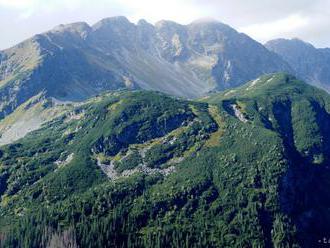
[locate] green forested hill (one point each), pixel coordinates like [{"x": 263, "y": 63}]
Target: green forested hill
[{"x": 244, "y": 168}]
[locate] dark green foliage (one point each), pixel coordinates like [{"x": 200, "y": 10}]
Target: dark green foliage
[
  {"x": 139, "y": 120},
  {"x": 129, "y": 162},
  {"x": 262, "y": 183},
  {"x": 159, "y": 154}
]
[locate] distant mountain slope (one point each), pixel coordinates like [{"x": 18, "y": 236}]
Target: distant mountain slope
[
  {"x": 308, "y": 62},
  {"x": 245, "y": 168},
  {"x": 30, "y": 116},
  {"x": 75, "y": 61}
]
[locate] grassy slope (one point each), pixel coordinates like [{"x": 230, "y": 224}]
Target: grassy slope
[{"x": 28, "y": 117}]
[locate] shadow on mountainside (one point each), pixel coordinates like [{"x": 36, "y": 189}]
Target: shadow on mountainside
[{"x": 305, "y": 188}]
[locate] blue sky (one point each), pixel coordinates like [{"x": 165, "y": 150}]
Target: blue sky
[{"x": 262, "y": 20}]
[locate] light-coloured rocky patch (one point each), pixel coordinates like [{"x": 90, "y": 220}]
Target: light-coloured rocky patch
[
  {"x": 238, "y": 113},
  {"x": 110, "y": 171},
  {"x": 64, "y": 162}
]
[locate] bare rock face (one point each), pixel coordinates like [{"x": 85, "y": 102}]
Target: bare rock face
[
  {"x": 308, "y": 62},
  {"x": 75, "y": 61}
]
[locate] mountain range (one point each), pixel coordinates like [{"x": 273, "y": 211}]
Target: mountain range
[
  {"x": 76, "y": 61},
  {"x": 309, "y": 63},
  {"x": 166, "y": 135},
  {"x": 245, "y": 168}
]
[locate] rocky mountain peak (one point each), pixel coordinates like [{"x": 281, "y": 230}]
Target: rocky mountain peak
[
  {"x": 80, "y": 28},
  {"x": 294, "y": 43},
  {"x": 308, "y": 62},
  {"x": 76, "y": 61},
  {"x": 111, "y": 22},
  {"x": 143, "y": 22},
  {"x": 169, "y": 28}
]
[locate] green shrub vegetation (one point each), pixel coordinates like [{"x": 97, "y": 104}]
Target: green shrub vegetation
[{"x": 260, "y": 183}]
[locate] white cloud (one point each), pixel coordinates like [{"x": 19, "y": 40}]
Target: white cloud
[
  {"x": 262, "y": 20},
  {"x": 19, "y": 4},
  {"x": 153, "y": 10},
  {"x": 27, "y": 8},
  {"x": 270, "y": 30},
  {"x": 178, "y": 10}
]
